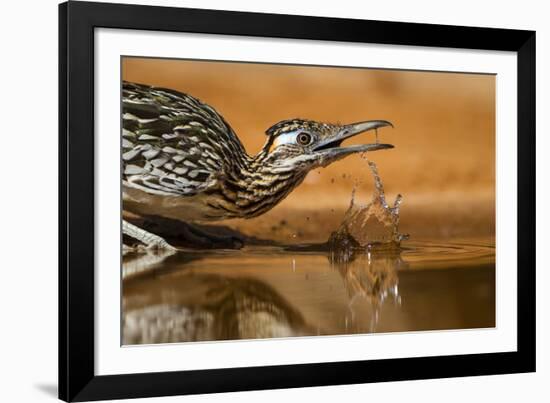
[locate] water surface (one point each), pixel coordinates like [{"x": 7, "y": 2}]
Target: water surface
[{"x": 264, "y": 292}]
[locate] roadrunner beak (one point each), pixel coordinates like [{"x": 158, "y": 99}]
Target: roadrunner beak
[{"x": 329, "y": 149}]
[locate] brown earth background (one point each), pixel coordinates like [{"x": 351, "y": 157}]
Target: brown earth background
[{"x": 443, "y": 162}]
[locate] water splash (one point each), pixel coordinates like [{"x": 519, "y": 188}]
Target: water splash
[{"x": 374, "y": 225}]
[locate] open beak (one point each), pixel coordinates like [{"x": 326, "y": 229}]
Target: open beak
[{"x": 329, "y": 150}]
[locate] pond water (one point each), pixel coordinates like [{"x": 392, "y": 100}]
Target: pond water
[{"x": 264, "y": 292}]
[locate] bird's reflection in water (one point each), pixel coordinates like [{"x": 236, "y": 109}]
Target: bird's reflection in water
[
  {"x": 198, "y": 303},
  {"x": 198, "y": 307},
  {"x": 135, "y": 261}
]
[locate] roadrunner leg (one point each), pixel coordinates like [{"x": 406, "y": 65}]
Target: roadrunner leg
[{"x": 150, "y": 240}]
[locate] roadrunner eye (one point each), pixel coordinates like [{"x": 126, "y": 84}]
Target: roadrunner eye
[{"x": 304, "y": 139}]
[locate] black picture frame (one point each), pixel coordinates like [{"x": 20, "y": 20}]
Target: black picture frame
[{"x": 77, "y": 379}]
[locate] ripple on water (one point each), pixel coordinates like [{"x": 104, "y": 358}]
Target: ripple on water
[{"x": 449, "y": 254}]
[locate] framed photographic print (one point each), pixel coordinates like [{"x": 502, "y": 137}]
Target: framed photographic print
[{"x": 254, "y": 201}]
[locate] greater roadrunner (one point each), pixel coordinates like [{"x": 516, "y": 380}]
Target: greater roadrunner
[{"x": 182, "y": 160}]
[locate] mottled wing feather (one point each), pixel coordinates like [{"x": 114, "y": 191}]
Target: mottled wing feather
[{"x": 172, "y": 143}]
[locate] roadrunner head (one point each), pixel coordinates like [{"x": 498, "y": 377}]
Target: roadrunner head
[{"x": 299, "y": 145}]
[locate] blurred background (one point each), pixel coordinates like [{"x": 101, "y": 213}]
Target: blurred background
[{"x": 444, "y": 136}]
